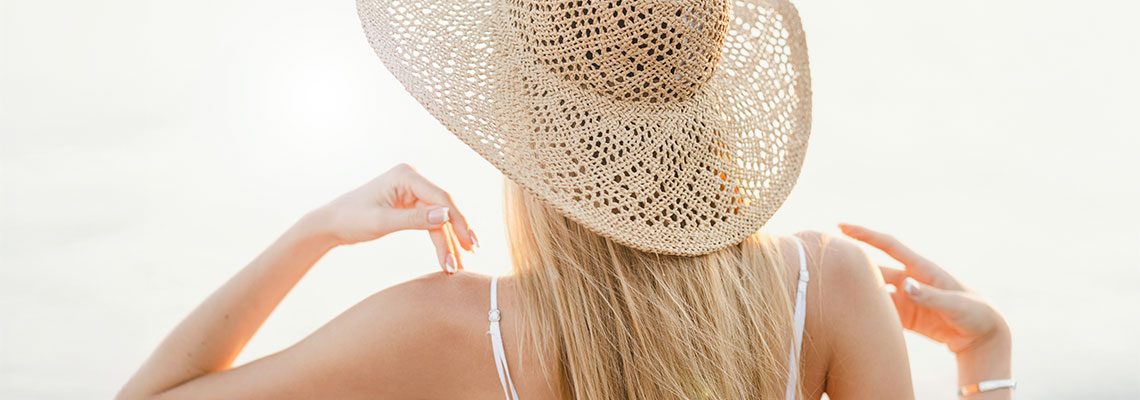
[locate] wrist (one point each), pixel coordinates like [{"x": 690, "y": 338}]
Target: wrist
[
  {"x": 989, "y": 359},
  {"x": 314, "y": 228}
]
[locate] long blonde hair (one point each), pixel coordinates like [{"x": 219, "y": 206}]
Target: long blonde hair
[{"x": 626, "y": 324}]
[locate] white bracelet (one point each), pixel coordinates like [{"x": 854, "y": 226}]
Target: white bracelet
[{"x": 986, "y": 386}]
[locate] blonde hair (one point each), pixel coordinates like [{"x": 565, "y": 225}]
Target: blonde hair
[{"x": 626, "y": 324}]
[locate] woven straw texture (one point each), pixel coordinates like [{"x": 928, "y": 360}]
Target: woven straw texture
[{"x": 674, "y": 126}]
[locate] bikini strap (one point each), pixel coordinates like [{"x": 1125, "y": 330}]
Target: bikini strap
[
  {"x": 497, "y": 343},
  {"x": 800, "y": 317}
]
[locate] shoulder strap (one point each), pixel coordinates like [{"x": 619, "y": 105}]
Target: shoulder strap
[
  {"x": 800, "y": 316},
  {"x": 497, "y": 343}
]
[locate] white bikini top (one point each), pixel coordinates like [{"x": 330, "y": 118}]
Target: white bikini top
[{"x": 793, "y": 354}]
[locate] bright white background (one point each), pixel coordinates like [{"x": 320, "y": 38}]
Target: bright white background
[{"x": 149, "y": 149}]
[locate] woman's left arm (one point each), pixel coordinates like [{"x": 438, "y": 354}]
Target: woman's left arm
[{"x": 212, "y": 336}]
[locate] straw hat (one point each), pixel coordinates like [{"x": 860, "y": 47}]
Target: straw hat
[{"x": 670, "y": 126}]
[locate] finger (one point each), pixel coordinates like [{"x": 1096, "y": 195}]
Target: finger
[
  {"x": 450, "y": 234},
  {"x": 892, "y": 276},
  {"x": 397, "y": 219},
  {"x": 427, "y": 191},
  {"x": 887, "y": 243},
  {"x": 906, "y": 309},
  {"x": 948, "y": 301},
  {"x": 443, "y": 251},
  {"x": 916, "y": 265},
  {"x": 462, "y": 232}
]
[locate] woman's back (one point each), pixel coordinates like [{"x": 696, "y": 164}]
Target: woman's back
[{"x": 440, "y": 322}]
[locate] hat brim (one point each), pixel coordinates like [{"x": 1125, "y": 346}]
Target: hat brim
[{"x": 684, "y": 178}]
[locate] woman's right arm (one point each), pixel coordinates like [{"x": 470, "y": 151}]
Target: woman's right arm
[
  {"x": 852, "y": 324},
  {"x": 933, "y": 303}
]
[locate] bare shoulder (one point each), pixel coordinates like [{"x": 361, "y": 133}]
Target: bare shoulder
[
  {"x": 852, "y": 329},
  {"x": 431, "y": 305},
  {"x": 437, "y": 310},
  {"x": 408, "y": 336},
  {"x": 432, "y": 296},
  {"x": 842, "y": 280},
  {"x": 841, "y": 275},
  {"x": 839, "y": 262}
]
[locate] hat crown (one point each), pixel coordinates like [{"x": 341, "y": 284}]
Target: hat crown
[{"x": 634, "y": 51}]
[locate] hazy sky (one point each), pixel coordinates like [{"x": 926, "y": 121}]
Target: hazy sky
[{"x": 150, "y": 149}]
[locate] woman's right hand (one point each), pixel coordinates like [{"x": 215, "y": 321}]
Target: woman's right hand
[
  {"x": 930, "y": 301},
  {"x": 933, "y": 303}
]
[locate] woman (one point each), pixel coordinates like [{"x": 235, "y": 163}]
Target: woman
[{"x": 645, "y": 143}]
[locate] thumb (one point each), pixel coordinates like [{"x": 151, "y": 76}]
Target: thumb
[
  {"x": 424, "y": 218},
  {"x": 949, "y": 301}
]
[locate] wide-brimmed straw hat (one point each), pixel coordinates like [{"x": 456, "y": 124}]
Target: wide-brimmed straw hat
[{"x": 670, "y": 126}]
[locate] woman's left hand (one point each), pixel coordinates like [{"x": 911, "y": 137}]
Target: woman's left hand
[{"x": 399, "y": 199}]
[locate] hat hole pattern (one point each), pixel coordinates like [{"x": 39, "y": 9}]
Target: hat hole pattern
[{"x": 636, "y": 51}]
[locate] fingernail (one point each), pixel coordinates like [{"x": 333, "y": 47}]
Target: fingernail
[
  {"x": 911, "y": 287},
  {"x": 437, "y": 216},
  {"x": 474, "y": 239},
  {"x": 449, "y": 263}
]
